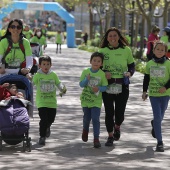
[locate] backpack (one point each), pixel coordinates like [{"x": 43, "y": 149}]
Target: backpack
[{"x": 23, "y": 64}]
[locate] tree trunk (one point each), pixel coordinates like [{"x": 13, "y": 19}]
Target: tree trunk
[
  {"x": 136, "y": 28},
  {"x": 142, "y": 38},
  {"x": 91, "y": 23}
]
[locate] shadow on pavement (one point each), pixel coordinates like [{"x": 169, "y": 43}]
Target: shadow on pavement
[{"x": 64, "y": 149}]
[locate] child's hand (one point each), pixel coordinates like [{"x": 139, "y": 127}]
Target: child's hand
[
  {"x": 108, "y": 75},
  {"x": 144, "y": 96},
  {"x": 64, "y": 90},
  {"x": 20, "y": 95},
  {"x": 88, "y": 77},
  {"x": 29, "y": 76},
  {"x": 8, "y": 98},
  {"x": 162, "y": 90},
  {"x": 95, "y": 89},
  {"x": 5, "y": 85},
  {"x": 127, "y": 74}
]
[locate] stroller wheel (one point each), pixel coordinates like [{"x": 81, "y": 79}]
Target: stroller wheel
[
  {"x": 24, "y": 146},
  {"x": 30, "y": 146},
  {"x": 0, "y": 143}
]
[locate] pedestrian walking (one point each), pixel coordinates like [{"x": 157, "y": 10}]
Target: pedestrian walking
[
  {"x": 46, "y": 82},
  {"x": 28, "y": 32},
  {"x": 118, "y": 66},
  {"x": 166, "y": 39},
  {"x": 85, "y": 38},
  {"x": 153, "y": 37},
  {"x": 40, "y": 39},
  {"x": 59, "y": 41},
  {"x": 157, "y": 79},
  {"x": 93, "y": 82}
]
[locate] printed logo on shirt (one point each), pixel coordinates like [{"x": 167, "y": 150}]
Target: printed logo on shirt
[
  {"x": 157, "y": 71},
  {"x": 94, "y": 81},
  {"x": 14, "y": 63},
  {"x": 47, "y": 86}
]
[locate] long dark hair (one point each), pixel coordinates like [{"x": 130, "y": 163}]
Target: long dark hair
[
  {"x": 122, "y": 41},
  {"x": 7, "y": 33},
  {"x": 44, "y": 58}
]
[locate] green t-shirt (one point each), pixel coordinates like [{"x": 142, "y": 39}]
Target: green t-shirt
[
  {"x": 164, "y": 38},
  {"x": 58, "y": 39},
  {"x": 28, "y": 34},
  {"x": 159, "y": 76},
  {"x": 46, "y": 89},
  {"x": 88, "y": 97},
  {"x": 44, "y": 31},
  {"x": 116, "y": 61},
  {"x": 128, "y": 38},
  {"x": 41, "y": 41},
  {"x": 15, "y": 57}
]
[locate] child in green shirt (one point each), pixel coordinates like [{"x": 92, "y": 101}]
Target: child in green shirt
[
  {"x": 93, "y": 82},
  {"x": 59, "y": 41},
  {"x": 157, "y": 79},
  {"x": 46, "y": 82},
  {"x": 28, "y": 32},
  {"x": 40, "y": 39}
]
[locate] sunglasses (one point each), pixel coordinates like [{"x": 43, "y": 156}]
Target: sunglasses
[{"x": 18, "y": 27}]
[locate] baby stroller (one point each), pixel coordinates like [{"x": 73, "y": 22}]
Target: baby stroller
[{"x": 15, "y": 113}]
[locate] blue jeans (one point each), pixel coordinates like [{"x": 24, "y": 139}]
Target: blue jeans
[
  {"x": 94, "y": 115},
  {"x": 159, "y": 106}
]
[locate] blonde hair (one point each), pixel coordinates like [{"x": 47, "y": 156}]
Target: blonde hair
[
  {"x": 155, "y": 29},
  {"x": 161, "y": 43}
]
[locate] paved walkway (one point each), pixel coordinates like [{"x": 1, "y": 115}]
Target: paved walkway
[{"x": 64, "y": 150}]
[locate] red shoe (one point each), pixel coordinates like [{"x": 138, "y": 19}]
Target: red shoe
[
  {"x": 85, "y": 135},
  {"x": 97, "y": 143}
]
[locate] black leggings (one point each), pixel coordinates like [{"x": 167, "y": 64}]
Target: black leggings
[
  {"x": 58, "y": 46},
  {"x": 115, "y": 105},
  {"x": 47, "y": 117}
]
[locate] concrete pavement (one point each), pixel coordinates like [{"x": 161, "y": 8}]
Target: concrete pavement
[{"x": 64, "y": 149}]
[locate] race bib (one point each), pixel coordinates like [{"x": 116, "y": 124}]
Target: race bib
[
  {"x": 114, "y": 89},
  {"x": 157, "y": 71},
  {"x": 14, "y": 64},
  {"x": 47, "y": 86}
]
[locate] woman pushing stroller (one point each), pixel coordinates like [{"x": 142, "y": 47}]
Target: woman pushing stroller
[{"x": 15, "y": 50}]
